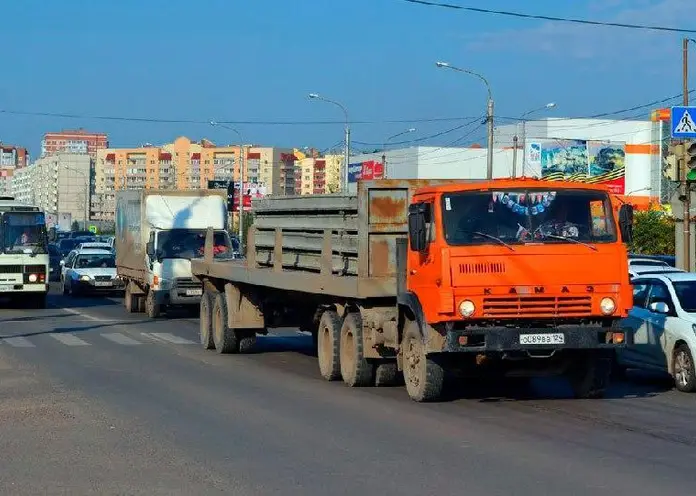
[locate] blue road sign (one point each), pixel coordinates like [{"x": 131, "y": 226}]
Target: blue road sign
[{"x": 683, "y": 122}]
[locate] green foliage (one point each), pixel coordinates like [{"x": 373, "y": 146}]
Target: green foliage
[
  {"x": 653, "y": 233},
  {"x": 75, "y": 226}
]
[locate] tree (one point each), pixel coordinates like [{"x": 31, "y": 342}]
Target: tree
[
  {"x": 653, "y": 233},
  {"x": 75, "y": 226}
]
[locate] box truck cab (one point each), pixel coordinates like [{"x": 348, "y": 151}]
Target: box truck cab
[{"x": 157, "y": 235}]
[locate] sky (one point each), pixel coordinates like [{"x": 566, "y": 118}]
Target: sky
[{"x": 254, "y": 61}]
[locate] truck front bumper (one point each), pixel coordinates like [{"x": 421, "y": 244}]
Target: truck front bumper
[
  {"x": 188, "y": 292},
  {"x": 544, "y": 339}
]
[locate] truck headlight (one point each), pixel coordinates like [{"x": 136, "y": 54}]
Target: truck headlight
[
  {"x": 607, "y": 306},
  {"x": 84, "y": 278},
  {"x": 467, "y": 308}
]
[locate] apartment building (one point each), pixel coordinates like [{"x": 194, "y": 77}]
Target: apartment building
[
  {"x": 74, "y": 141},
  {"x": 6, "y": 176},
  {"x": 318, "y": 175},
  {"x": 13, "y": 156},
  {"x": 61, "y": 184},
  {"x": 185, "y": 164}
]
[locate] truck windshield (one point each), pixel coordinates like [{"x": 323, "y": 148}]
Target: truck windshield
[
  {"x": 528, "y": 216},
  {"x": 190, "y": 243},
  {"x": 24, "y": 232}
]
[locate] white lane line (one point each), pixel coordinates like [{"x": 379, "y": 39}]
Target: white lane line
[
  {"x": 69, "y": 339},
  {"x": 167, "y": 337},
  {"x": 84, "y": 315},
  {"x": 119, "y": 338},
  {"x": 19, "y": 342}
]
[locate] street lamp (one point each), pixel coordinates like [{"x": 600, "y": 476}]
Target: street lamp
[
  {"x": 489, "y": 112},
  {"x": 241, "y": 176},
  {"x": 548, "y": 106},
  {"x": 346, "y": 153},
  {"x": 384, "y": 149}
]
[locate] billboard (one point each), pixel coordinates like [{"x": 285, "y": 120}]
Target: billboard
[
  {"x": 251, "y": 191},
  {"x": 595, "y": 162},
  {"x": 368, "y": 170}
]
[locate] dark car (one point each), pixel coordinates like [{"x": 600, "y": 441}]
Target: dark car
[{"x": 54, "y": 258}]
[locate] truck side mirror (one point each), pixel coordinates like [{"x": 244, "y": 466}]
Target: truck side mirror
[
  {"x": 416, "y": 227},
  {"x": 150, "y": 248},
  {"x": 626, "y": 223}
]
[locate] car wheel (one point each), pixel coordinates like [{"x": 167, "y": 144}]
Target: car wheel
[{"x": 684, "y": 374}]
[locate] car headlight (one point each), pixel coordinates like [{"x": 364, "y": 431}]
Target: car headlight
[
  {"x": 607, "y": 306},
  {"x": 467, "y": 308},
  {"x": 84, "y": 278}
]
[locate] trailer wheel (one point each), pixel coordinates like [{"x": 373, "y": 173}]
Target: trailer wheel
[
  {"x": 129, "y": 300},
  {"x": 152, "y": 308},
  {"x": 387, "y": 375},
  {"x": 206, "y": 320},
  {"x": 328, "y": 339},
  {"x": 225, "y": 339},
  {"x": 423, "y": 376},
  {"x": 355, "y": 369},
  {"x": 247, "y": 340}
]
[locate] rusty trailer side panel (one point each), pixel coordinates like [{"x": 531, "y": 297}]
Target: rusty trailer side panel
[{"x": 336, "y": 244}]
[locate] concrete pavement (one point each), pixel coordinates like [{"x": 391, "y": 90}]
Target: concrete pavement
[{"x": 97, "y": 401}]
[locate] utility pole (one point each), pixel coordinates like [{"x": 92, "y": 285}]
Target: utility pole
[
  {"x": 346, "y": 158},
  {"x": 489, "y": 115},
  {"x": 514, "y": 156},
  {"x": 683, "y": 172},
  {"x": 241, "y": 193}
]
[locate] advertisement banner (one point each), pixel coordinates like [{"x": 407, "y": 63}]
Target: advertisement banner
[
  {"x": 368, "y": 170},
  {"x": 594, "y": 162}
]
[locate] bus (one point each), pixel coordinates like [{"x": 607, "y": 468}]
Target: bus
[{"x": 24, "y": 259}]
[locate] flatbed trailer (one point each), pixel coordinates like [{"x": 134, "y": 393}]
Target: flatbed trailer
[{"x": 338, "y": 266}]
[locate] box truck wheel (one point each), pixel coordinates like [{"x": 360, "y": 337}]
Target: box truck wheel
[
  {"x": 328, "y": 339},
  {"x": 225, "y": 339},
  {"x": 424, "y": 377},
  {"x": 355, "y": 369},
  {"x": 206, "y": 320}
]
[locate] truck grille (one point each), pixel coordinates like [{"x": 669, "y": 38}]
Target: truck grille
[
  {"x": 547, "y": 306},
  {"x": 187, "y": 282}
]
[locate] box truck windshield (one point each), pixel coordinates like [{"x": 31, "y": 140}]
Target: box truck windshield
[{"x": 190, "y": 243}]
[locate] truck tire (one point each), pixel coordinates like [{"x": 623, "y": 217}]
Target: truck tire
[
  {"x": 225, "y": 339},
  {"x": 247, "y": 340},
  {"x": 152, "y": 308},
  {"x": 356, "y": 371},
  {"x": 328, "y": 340},
  {"x": 590, "y": 376},
  {"x": 206, "y": 320},
  {"x": 141, "y": 304},
  {"x": 129, "y": 302},
  {"x": 424, "y": 377},
  {"x": 387, "y": 375}
]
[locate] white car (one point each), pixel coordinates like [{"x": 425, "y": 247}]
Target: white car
[
  {"x": 89, "y": 271},
  {"x": 94, "y": 245},
  {"x": 663, "y": 324},
  {"x": 639, "y": 270}
]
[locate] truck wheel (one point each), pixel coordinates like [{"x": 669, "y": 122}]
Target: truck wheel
[
  {"x": 355, "y": 369},
  {"x": 225, "y": 339},
  {"x": 387, "y": 375},
  {"x": 328, "y": 339},
  {"x": 128, "y": 300},
  {"x": 424, "y": 378},
  {"x": 247, "y": 340},
  {"x": 141, "y": 304},
  {"x": 152, "y": 308},
  {"x": 684, "y": 373},
  {"x": 590, "y": 376},
  {"x": 206, "y": 320}
]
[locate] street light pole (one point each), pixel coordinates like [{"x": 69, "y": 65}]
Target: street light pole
[
  {"x": 346, "y": 150},
  {"x": 241, "y": 178},
  {"x": 384, "y": 149},
  {"x": 524, "y": 138},
  {"x": 489, "y": 113}
]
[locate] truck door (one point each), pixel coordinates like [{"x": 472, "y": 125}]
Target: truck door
[{"x": 424, "y": 267}]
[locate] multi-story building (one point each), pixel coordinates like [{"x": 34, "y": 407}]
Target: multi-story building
[
  {"x": 13, "y": 156},
  {"x": 184, "y": 164},
  {"x": 60, "y": 184},
  {"x": 74, "y": 141},
  {"x": 318, "y": 175},
  {"x": 6, "y": 176}
]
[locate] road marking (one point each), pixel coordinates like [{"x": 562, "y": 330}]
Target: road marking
[
  {"x": 84, "y": 315},
  {"x": 166, "y": 337},
  {"x": 69, "y": 339},
  {"x": 19, "y": 342},
  {"x": 119, "y": 338}
]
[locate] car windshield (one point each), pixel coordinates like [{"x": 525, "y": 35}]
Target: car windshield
[
  {"x": 686, "y": 294},
  {"x": 24, "y": 232},
  {"x": 528, "y": 216},
  {"x": 186, "y": 243},
  {"x": 95, "y": 261}
]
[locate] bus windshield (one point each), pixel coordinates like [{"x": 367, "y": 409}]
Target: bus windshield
[{"x": 24, "y": 232}]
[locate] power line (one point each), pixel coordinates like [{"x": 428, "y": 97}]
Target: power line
[
  {"x": 423, "y": 138},
  {"x": 551, "y": 18}
]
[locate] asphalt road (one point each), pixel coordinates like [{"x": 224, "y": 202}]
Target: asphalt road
[{"x": 97, "y": 401}]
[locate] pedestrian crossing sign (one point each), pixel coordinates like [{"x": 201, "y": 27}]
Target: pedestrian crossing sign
[{"x": 683, "y": 122}]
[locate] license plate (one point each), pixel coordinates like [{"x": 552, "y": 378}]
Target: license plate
[
  {"x": 194, "y": 292},
  {"x": 103, "y": 283},
  {"x": 6, "y": 287},
  {"x": 531, "y": 339}
]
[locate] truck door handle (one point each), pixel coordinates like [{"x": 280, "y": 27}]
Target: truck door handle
[{"x": 413, "y": 271}]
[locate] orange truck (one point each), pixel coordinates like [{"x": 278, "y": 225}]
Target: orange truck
[{"x": 407, "y": 280}]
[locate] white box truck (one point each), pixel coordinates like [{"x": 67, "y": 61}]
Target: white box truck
[{"x": 158, "y": 232}]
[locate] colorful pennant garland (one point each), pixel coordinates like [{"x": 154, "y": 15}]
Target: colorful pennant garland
[{"x": 525, "y": 203}]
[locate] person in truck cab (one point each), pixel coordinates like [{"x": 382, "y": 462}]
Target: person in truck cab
[{"x": 219, "y": 245}]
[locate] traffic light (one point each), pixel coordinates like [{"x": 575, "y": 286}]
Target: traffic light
[
  {"x": 232, "y": 203},
  {"x": 690, "y": 160}
]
